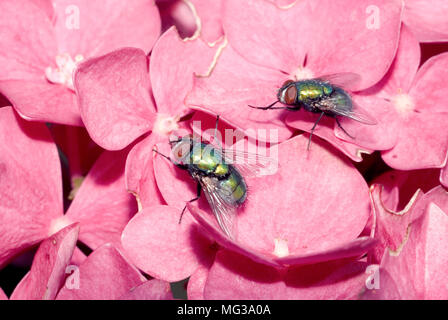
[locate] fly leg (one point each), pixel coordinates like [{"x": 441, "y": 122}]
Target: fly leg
[
  {"x": 339, "y": 125},
  {"x": 312, "y": 130},
  {"x": 198, "y": 190},
  {"x": 216, "y": 133}
]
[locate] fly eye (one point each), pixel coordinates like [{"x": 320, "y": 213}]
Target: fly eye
[
  {"x": 287, "y": 83},
  {"x": 290, "y": 95}
]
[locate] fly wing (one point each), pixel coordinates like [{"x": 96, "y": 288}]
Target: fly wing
[
  {"x": 223, "y": 210},
  {"x": 249, "y": 164},
  {"x": 341, "y": 104},
  {"x": 344, "y": 80}
]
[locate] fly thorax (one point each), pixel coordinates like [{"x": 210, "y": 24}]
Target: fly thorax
[
  {"x": 64, "y": 70},
  {"x": 404, "y": 104}
]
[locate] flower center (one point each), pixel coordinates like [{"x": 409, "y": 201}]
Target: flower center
[
  {"x": 403, "y": 103},
  {"x": 281, "y": 247},
  {"x": 302, "y": 73},
  {"x": 65, "y": 66},
  {"x": 165, "y": 124},
  {"x": 58, "y": 224}
]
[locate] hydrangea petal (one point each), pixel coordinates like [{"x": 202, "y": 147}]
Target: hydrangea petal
[
  {"x": 159, "y": 245},
  {"x": 422, "y": 143},
  {"x": 196, "y": 283},
  {"x": 139, "y": 172},
  {"x": 49, "y": 266},
  {"x": 419, "y": 269},
  {"x": 171, "y": 88},
  {"x": 26, "y": 51},
  {"x": 94, "y": 28},
  {"x": 31, "y": 186},
  {"x": 427, "y": 19},
  {"x": 105, "y": 275},
  {"x": 102, "y": 205},
  {"x": 232, "y": 86},
  {"x": 150, "y": 290},
  {"x": 210, "y": 13},
  {"x": 3, "y": 296},
  {"x": 115, "y": 109},
  {"x": 40, "y": 100},
  {"x": 261, "y": 32},
  {"x": 401, "y": 75},
  {"x": 236, "y": 277},
  {"x": 176, "y": 185}
]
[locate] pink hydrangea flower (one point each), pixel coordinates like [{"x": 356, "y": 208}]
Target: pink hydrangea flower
[
  {"x": 105, "y": 274},
  {"x": 417, "y": 98},
  {"x": 43, "y": 41},
  {"x": 31, "y": 209},
  {"x": 260, "y": 56},
  {"x": 413, "y": 264},
  {"x": 115, "y": 91},
  {"x": 281, "y": 237}
]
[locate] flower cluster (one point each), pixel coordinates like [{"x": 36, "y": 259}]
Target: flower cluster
[{"x": 95, "y": 96}]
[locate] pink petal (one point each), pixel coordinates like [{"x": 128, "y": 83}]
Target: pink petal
[
  {"x": 268, "y": 44},
  {"x": 236, "y": 277},
  {"x": 159, "y": 245},
  {"x": 423, "y": 132},
  {"x": 40, "y": 100},
  {"x": 102, "y": 205},
  {"x": 232, "y": 86},
  {"x": 104, "y": 27},
  {"x": 116, "y": 109},
  {"x": 3, "y": 295},
  {"x": 403, "y": 70},
  {"x": 105, "y": 275},
  {"x": 171, "y": 88},
  {"x": 139, "y": 173},
  {"x": 419, "y": 269},
  {"x": 26, "y": 51},
  {"x": 427, "y": 19},
  {"x": 30, "y": 186},
  {"x": 391, "y": 226},
  {"x": 444, "y": 176},
  {"x": 210, "y": 13},
  {"x": 387, "y": 288},
  {"x": 196, "y": 283},
  {"x": 422, "y": 143},
  {"x": 150, "y": 290},
  {"x": 49, "y": 267},
  {"x": 302, "y": 230}
]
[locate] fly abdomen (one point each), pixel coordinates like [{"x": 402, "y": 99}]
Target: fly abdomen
[{"x": 234, "y": 187}]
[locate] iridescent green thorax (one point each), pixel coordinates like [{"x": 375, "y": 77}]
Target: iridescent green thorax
[
  {"x": 312, "y": 89},
  {"x": 208, "y": 160}
]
